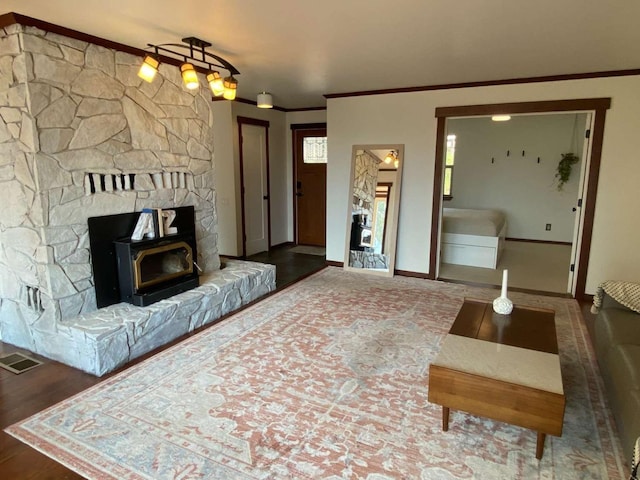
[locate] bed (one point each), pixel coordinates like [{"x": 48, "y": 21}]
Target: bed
[{"x": 473, "y": 237}]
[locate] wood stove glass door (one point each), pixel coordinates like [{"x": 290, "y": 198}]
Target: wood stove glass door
[{"x": 159, "y": 264}]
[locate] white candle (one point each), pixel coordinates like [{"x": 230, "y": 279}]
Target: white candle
[{"x": 505, "y": 275}]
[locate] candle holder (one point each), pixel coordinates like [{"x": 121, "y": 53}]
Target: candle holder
[{"x": 502, "y": 304}]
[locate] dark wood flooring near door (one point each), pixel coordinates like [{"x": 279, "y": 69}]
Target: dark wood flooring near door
[
  {"x": 290, "y": 266},
  {"x": 34, "y": 390}
]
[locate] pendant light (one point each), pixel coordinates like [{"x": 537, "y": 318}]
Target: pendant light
[
  {"x": 216, "y": 83},
  {"x": 148, "y": 69},
  {"x": 230, "y": 88},
  {"x": 189, "y": 76},
  {"x": 265, "y": 100}
]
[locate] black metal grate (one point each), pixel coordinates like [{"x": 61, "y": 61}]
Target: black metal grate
[{"x": 18, "y": 363}]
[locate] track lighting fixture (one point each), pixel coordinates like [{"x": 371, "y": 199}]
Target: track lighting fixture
[
  {"x": 392, "y": 157},
  {"x": 196, "y": 58}
]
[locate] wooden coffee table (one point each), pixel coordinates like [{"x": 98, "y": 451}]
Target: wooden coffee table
[{"x": 504, "y": 367}]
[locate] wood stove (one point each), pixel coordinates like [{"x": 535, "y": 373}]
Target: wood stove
[
  {"x": 150, "y": 270},
  {"x": 145, "y": 271}
]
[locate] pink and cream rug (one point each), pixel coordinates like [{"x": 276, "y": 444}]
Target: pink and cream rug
[{"x": 324, "y": 380}]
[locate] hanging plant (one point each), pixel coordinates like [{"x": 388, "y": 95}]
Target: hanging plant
[{"x": 563, "y": 172}]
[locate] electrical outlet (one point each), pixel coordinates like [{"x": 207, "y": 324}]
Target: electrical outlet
[{"x": 548, "y": 227}]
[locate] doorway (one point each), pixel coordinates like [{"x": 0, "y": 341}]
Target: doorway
[
  {"x": 254, "y": 188},
  {"x": 310, "y": 183},
  {"x": 509, "y": 168},
  {"x": 585, "y": 206}
]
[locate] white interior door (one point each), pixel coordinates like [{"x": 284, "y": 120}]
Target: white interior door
[
  {"x": 578, "y": 208},
  {"x": 255, "y": 193}
]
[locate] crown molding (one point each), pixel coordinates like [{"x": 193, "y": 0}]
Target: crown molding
[{"x": 489, "y": 83}]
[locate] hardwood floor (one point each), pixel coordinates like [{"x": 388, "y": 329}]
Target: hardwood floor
[
  {"x": 290, "y": 266},
  {"x": 25, "y": 394},
  {"x": 34, "y": 390}
]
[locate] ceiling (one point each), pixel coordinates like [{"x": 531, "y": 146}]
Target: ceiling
[{"x": 299, "y": 50}]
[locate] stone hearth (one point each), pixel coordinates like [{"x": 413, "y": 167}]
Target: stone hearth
[
  {"x": 82, "y": 136},
  {"x": 100, "y": 341}
]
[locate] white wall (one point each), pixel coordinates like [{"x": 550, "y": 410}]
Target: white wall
[
  {"x": 277, "y": 164},
  {"x": 366, "y": 119},
  {"x": 225, "y": 179},
  {"x": 227, "y": 170},
  {"x": 518, "y": 185}
]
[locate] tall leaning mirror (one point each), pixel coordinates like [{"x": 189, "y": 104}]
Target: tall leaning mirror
[{"x": 374, "y": 201}]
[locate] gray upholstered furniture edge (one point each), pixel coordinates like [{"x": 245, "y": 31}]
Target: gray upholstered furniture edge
[{"x": 616, "y": 339}]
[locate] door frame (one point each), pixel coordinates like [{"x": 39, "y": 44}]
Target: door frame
[
  {"x": 258, "y": 123},
  {"x": 296, "y": 128},
  {"x": 597, "y": 106},
  {"x": 389, "y": 186},
  {"x": 582, "y": 191}
]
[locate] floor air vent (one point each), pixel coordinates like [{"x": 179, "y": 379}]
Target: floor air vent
[{"x": 18, "y": 363}]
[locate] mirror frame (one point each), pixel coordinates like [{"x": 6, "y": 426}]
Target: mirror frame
[{"x": 392, "y": 227}]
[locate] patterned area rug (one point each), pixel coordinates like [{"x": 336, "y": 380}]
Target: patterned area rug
[{"x": 326, "y": 379}]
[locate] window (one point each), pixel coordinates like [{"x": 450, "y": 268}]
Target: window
[
  {"x": 449, "y": 161},
  {"x": 314, "y": 149}
]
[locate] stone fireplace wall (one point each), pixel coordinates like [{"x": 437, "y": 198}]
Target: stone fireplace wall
[
  {"x": 81, "y": 136},
  {"x": 365, "y": 179}
]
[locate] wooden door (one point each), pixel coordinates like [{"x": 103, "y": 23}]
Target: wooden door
[
  {"x": 254, "y": 168},
  {"x": 310, "y": 184}
]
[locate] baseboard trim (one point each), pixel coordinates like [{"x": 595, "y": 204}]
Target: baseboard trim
[
  {"x": 333, "y": 263},
  {"x": 409, "y": 273},
  {"x": 550, "y": 242}
]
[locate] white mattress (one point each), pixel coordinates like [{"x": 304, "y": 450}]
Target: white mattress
[{"x": 472, "y": 222}]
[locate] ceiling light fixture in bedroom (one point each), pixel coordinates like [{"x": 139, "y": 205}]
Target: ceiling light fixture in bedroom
[
  {"x": 501, "y": 118},
  {"x": 196, "y": 58}
]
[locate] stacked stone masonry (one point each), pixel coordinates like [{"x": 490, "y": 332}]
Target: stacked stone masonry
[
  {"x": 103, "y": 340},
  {"x": 364, "y": 182},
  {"x": 370, "y": 260},
  {"x": 73, "y": 114}
]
